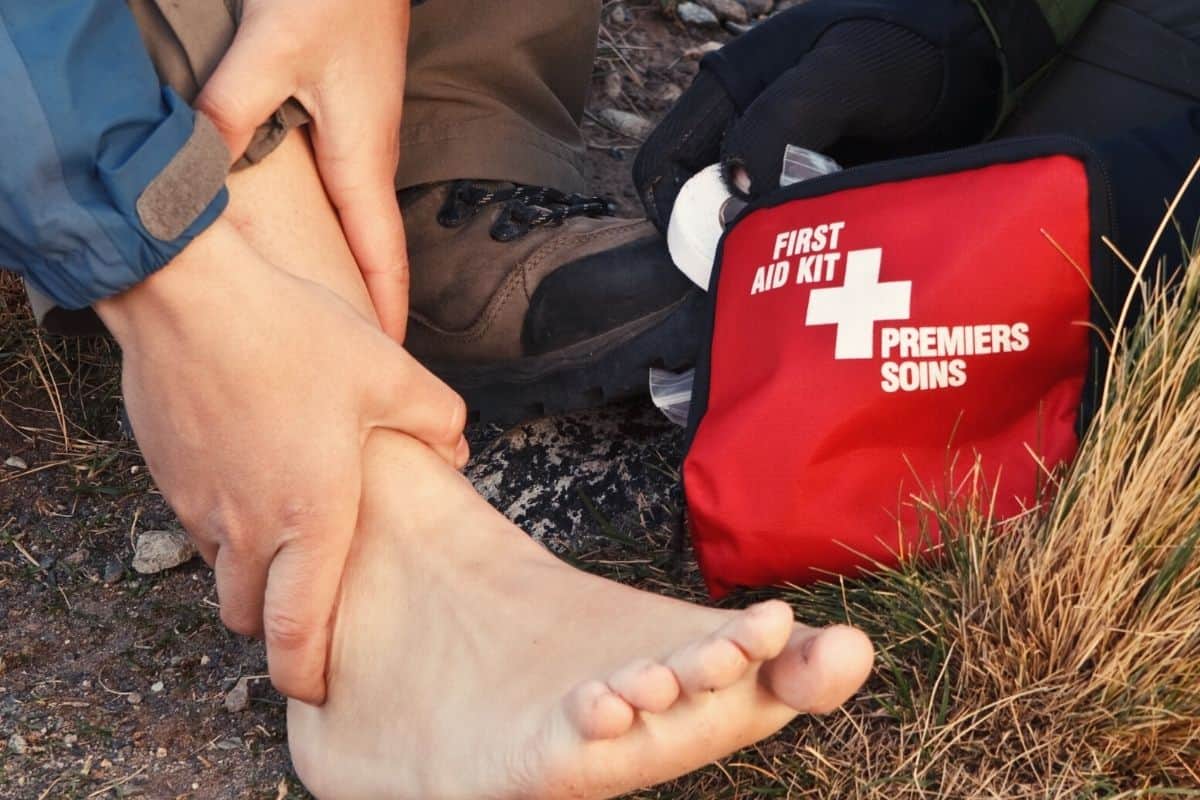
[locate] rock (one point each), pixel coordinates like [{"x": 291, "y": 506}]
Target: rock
[
  {"x": 157, "y": 687},
  {"x": 698, "y": 15},
  {"x": 670, "y": 93},
  {"x": 75, "y": 559},
  {"x": 114, "y": 570},
  {"x": 700, "y": 51},
  {"x": 238, "y": 699},
  {"x": 632, "y": 125},
  {"x": 727, "y": 10},
  {"x": 614, "y": 85},
  {"x": 558, "y": 477},
  {"x": 158, "y": 551},
  {"x": 17, "y": 744},
  {"x": 133, "y": 698},
  {"x": 205, "y": 661},
  {"x": 618, "y": 14},
  {"x": 758, "y": 8},
  {"x": 16, "y": 462},
  {"x": 160, "y": 752}
]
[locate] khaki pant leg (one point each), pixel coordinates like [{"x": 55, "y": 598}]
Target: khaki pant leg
[{"x": 496, "y": 91}]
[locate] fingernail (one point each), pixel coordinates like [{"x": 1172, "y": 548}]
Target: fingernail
[
  {"x": 463, "y": 454},
  {"x": 741, "y": 179}
]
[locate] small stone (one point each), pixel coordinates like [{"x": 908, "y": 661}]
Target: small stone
[
  {"x": 158, "y": 551},
  {"x": 114, "y": 570},
  {"x": 698, "y": 15},
  {"x": 133, "y": 698},
  {"x": 614, "y": 85},
  {"x": 619, "y": 14},
  {"x": 700, "y": 51},
  {"x": 727, "y": 10},
  {"x": 70, "y": 739},
  {"x": 238, "y": 699},
  {"x": 17, "y": 744},
  {"x": 232, "y": 743},
  {"x": 16, "y": 462},
  {"x": 160, "y": 752},
  {"x": 633, "y": 125},
  {"x": 156, "y": 687},
  {"x": 205, "y": 661},
  {"x": 76, "y": 558},
  {"x": 670, "y": 93}
]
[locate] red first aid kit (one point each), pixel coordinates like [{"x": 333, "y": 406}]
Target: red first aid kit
[{"x": 877, "y": 334}]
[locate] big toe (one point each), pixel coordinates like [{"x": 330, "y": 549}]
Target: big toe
[{"x": 819, "y": 670}]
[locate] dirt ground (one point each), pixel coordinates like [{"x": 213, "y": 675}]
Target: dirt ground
[{"x": 114, "y": 684}]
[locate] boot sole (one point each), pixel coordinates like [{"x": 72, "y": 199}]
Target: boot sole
[{"x": 588, "y": 374}]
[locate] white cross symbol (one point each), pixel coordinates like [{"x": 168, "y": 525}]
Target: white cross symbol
[{"x": 859, "y": 304}]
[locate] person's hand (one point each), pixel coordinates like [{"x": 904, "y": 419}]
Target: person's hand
[
  {"x": 345, "y": 63},
  {"x": 252, "y": 394},
  {"x": 857, "y": 79}
]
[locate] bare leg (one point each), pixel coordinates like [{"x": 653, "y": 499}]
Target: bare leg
[{"x": 469, "y": 663}]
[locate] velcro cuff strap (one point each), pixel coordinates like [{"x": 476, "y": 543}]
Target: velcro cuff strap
[
  {"x": 172, "y": 179},
  {"x": 876, "y": 335},
  {"x": 188, "y": 184}
]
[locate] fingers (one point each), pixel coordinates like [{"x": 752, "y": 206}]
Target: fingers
[
  {"x": 793, "y": 110},
  {"x": 357, "y": 150},
  {"x": 685, "y": 142},
  {"x": 409, "y": 398},
  {"x": 250, "y": 83},
  {"x": 301, "y": 592}
]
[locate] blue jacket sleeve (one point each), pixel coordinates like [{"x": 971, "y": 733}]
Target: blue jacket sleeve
[{"x": 101, "y": 180}]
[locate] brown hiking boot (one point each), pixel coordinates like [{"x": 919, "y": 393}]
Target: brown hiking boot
[{"x": 529, "y": 301}]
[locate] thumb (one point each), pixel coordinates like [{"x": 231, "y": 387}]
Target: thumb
[
  {"x": 301, "y": 594},
  {"x": 357, "y": 150},
  {"x": 686, "y": 141},
  {"x": 409, "y": 398},
  {"x": 251, "y": 82}
]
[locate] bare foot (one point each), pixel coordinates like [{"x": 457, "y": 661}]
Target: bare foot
[{"x": 469, "y": 663}]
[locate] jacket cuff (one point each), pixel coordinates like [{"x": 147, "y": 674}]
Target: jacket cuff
[{"x": 164, "y": 194}]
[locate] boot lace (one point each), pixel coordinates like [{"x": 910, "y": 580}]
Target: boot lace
[{"x": 524, "y": 207}]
